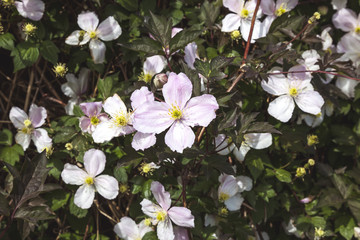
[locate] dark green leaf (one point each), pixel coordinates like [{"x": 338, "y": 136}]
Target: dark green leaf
[
  {"x": 120, "y": 174},
  {"x": 283, "y": 175},
  {"x": 146, "y": 45},
  {"x": 7, "y": 41},
  {"x": 150, "y": 236},
  {"x": 181, "y": 39},
  {"x": 146, "y": 188},
  {"x": 209, "y": 13},
  {"x": 25, "y": 54},
  {"x": 49, "y": 51},
  {"x": 4, "y": 206},
  {"x": 34, "y": 213},
  {"x": 220, "y": 62},
  {"x": 224, "y": 99},
  {"x": 229, "y": 119},
  {"x": 11, "y": 154},
  {"x": 262, "y": 127},
  {"x": 160, "y": 28},
  {"x": 129, "y": 5},
  {"x": 65, "y": 135},
  {"x": 221, "y": 164},
  {"x": 107, "y": 86},
  {"x": 6, "y": 137},
  {"x": 342, "y": 185}
]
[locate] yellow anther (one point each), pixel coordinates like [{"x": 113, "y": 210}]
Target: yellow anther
[
  {"x": 175, "y": 113},
  {"x": 147, "y": 221},
  {"x": 223, "y": 197},
  {"x": 223, "y": 212},
  {"x": 281, "y": 10},
  {"x": 311, "y": 162},
  {"x": 26, "y": 130},
  {"x": 69, "y": 146},
  {"x": 319, "y": 232},
  {"x": 235, "y": 35},
  {"x": 121, "y": 120},
  {"x": 60, "y": 69},
  {"x": 89, "y": 181},
  {"x": 161, "y": 215},
  {"x": 293, "y": 92},
  {"x": 145, "y": 77},
  {"x": 92, "y": 34},
  {"x": 29, "y": 29},
  {"x": 27, "y": 123},
  {"x": 300, "y": 171},
  {"x": 124, "y": 188},
  {"x": 146, "y": 169},
  {"x": 244, "y": 13},
  {"x": 94, "y": 120},
  {"x": 318, "y": 115},
  {"x": 357, "y": 30},
  {"x": 312, "y": 140}
]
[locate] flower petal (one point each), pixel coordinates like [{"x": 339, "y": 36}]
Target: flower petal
[
  {"x": 94, "y": 162},
  {"x": 17, "y": 116},
  {"x": 109, "y": 29},
  {"x": 23, "y": 139},
  {"x": 69, "y": 108},
  {"x": 241, "y": 152},
  {"x": 258, "y": 140},
  {"x": 268, "y": 7},
  {"x": 83, "y": 81},
  {"x": 97, "y": 50},
  {"x": 161, "y": 196},
  {"x": 228, "y": 185},
  {"x": 150, "y": 208},
  {"x": 91, "y": 109},
  {"x": 114, "y": 105},
  {"x": 282, "y": 108},
  {"x": 41, "y": 139},
  {"x": 259, "y": 31},
  {"x": 345, "y": 19},
  {"x": 154, "y": 64},
  {"x": 200, "y": 111},
  {"x": 142, "y": 141},
  {"x": 245, "y": 183},
  {"x": 32, "y": 9},
  {"x": 347, "y": 86},
  {"x": 88, "y": 21},
  {"x": 179, "y": 137},
  {"x": 126, "y": 228},
  {"x": 141, "y": 96},
  {"x": 37, "y": 115},
  {"x": 84, "y": 196},
  {"x": 72, "y": 174},
  {"x": 231, "y": 22},
  {"x": 234, "y": 5},
  {"x": 181, "y": 216},
  {"x": 75, "y": 36},
  {"x": 107, "y": 186},
  {"x": 177, "y": 91},
  {"x": 221, "y": 142},
  {"x": 181, "y": 233},
  {"x": 190, "y": 54},
  {"x": 234, "y": 203},
  {"x": 310, "y": 102},
  {"x": 104, "y": 132},
  {"x": 165, "y": 230},
  {"x": 277, "y": 84}
]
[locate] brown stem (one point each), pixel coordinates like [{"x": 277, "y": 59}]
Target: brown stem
[{"x": 28, "y": 91}]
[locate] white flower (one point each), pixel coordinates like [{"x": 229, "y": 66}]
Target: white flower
[
  {"x": 129, "y": 230},
  {"x": 347, "y": 20},
  {"x": 32, "y": 9},
  {"x": 92, "y": 31},
  {"x": 347, "y": 86},
  {"x": 117, "y": 125},
  {"x": 90, "y": 180},
  {"x": 310, "y": 58},
  {"x": 349, "y": 46},
  {"x": 152, "y": 66},
  {"x": 327, "y": 41},
  {"x": 357, "y": 232},
  {"x": 28, "y": 127},
  {"x": 245, "y": 183},
  {"x": 229, "y": 192},
  {"x": 295, "y": 87}
]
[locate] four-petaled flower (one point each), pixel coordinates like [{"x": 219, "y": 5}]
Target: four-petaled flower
[
  {"x": 93, "y": 117},
  {"x": 92, "y": 31},
  {"x": 163, "y": 215},
  {"x": 94, "y": 162},
  {"x": 129, "y": 230}
]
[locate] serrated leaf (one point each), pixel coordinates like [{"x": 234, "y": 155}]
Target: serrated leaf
[
  {"x": 255, "y": 165},
  {"x": 7, "y": 41},
  {"x": 224, "y": 99},
  {"x": 6, "y": 137},
  {"x": 262, "y": 127},
  {"x": 160, "y": 28},
  {"x": 146, "y": 188},
  {"x": 49, "y": 51},
  {"x": 66, "y": 134},
  {"x": 220, "y": 62},
  {"x": 11, "y": 154},
  {"x": 283, "y": 175},
  {"x": 129, "y": 5},
  {"x": 25, "y": 54},
  {"x": 106, "y": 86},
  {"x": 181, "y": 39},
  {"x": 247, "y": 119},
  {"x": 34, "y": 213},
  {"x": 209, "y": 13},
  {"x": 146, "y": 45},
  {"x": 229, "y": 119},
  {"x": 221, "y": 164},
  {"x": 342, "y": 185}
]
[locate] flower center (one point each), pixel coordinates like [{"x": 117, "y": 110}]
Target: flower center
[
  {"x": 161, "y": 215},
  {"x": 29, "y": 28},
  {"x": 27, "y": 123},
  {"x": 244, "y": 13},
  {"x": 147, "y": 222},
  {"x": 145, "y": 77},
  {"x": 89, "y": 180},
  {"x": 123, "y": 188},
  {"x": 223, "y": 197},
  {"x": 175, "y": 113},
  {"x": 293, "y": 92},
  {"x": 60, "y": 69},
  {"x": 94, "y": 121},
  {"x": 223, "y": 211},
  {"x": 281, "y": 10},
  {"x": 318, "y": 115},
  {"x": 92, "y": 34},
  {"x": 235, "y": 35},
  {"x": 121, "y": 120},
  {"x": 26, "y": 130},
  {"x": 357, "y": 30}
]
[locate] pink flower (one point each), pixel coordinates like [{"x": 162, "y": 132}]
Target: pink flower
[
  {"x": 93, "y": 117},
  {"x": 32, "y": 9},
  {"x": 163, "y": 215},
  {"x": 178, "y": 112}
]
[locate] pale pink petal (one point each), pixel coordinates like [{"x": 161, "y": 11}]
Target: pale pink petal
[
  {"x": 70, "y": 87},
  {"x": 181, "y": 216},
  {"x": 299, "y": 73},
  {"x": 109, "y": 29},
  {"x": 91, "y": 108},
  {"x": 177, "y": 91},
  {"x": 126, "y": 228},
  {"x": 221, "y": 142},
  {"x": 181, "y": 233},
  {"x": 190, "y": 54},
  {"x": 234, "y": 5},
  {"x": 228, "y": 185},
  {"x": 258, "y": 140},
  {"x": 234, "y": 203},
  {"x": 245, "y": 183},
  {"x": 105, "y": 131},
  {"x": 107, "y": 186},
  {"x": 277, "y": 84},
  {"x": 161, "y": 196},
  {"x": 338, "y": 4},
  {"x": 37, "y": 115},
  {"x": 179, "y": 137},
  {"x": 200, "y": 111},
  {"x": 230, "y": 23},
  {"x": 75, "y": 37},
  {"x": 23, "y": 139},
  {"x": 154, "y": 64},
  {"x": 83, "y": 81},
  {"x": 32, "y": 9},
  {"x": 142, "y": 141},
  {"x": 97, "y": 50},
  {"x": 310, "y": 102},
  {"x": 94, "y": 162},
  {"x": 345, "y": 19},
  {"x": 84, "y": 196},
  {"x": 282, "y": 108},
  {"x": 141, "y": 96},
  {"x": 150, "y": 208},
  {"x": 41, "y": 139},
  {"x": 175, "y": 31},
  {"x": 241, "y": 152},
  {"x": 268, "y": 7},
  {"x": 84, "y": 124},
  {"x": 165, "y": 230},
  {"x": 114, "y": 105},
  {"x": 347, "y": 86},
  {"x": 88, "y": 21},
  {"x": 72, "y": 174},
  {"x": 17, "y": 116},
  {"x": 152, "y": 117},
  {"x": 290, "y": 4}
]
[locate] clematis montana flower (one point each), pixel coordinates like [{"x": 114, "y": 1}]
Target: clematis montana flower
[
  {"x": 348, "y": 45},
  {"x": 309, "y": 60},
  {"x": 295, "y": 87},
  {"x": 178, "y": 112},
  {"x": 274, "y": 10},
  {"x": 32, "y": 9},
  {"x": 152, "y": 66},
  {"x": 347, "y": 20},
  {"x": 251, "y": 140},
  {"x": 90, "y": 180},
  {"x": 347, "y": 86},
  {"x": 241, "y": 18},
  {"x": 92, "y": 31},
  {"x": 75, "y": 88},
  {"x": 28, "y": 127},
  {"x": 93, "y": 117},
  {"x": 127, "y": 229},
  {"x": 228, "y": 192},
  {"x": 164, "y": 215},
  {"x": 117, "y": 125}
]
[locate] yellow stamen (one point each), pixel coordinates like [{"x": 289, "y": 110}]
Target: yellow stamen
[
  {"x": 146, "y": 169},
  {"x": 311, "y": 162},
  {"x": 293, "y": 92},
  {"x": 123, "y": 188},
  {"x": 29, "y": 29},
  {"x": 145, "y": 77},
  {"x": 319, "y": 232},
  {"x": 357, "y": 30},
  {"x": 93, "y": 34},
  {"x": 161, "y": 215},
  {"x": 312, "y": 140},
  {"x": 223, "y": 197},
  {"x": 69, "y": 146},
  {"x": 94, "y": 121},
  {"x": 175, "y": 113},
  {"x": 244, "y": 13},
  {"x": 60, "y": 69},
  {"x": 26, "y": 130},
  {"x": 27, "y": 123},
  {"x": 89, "y": 181},
  {"x": 300, "y": 172},
  {"x": 223, "y": 212},
  {"x": 147, "y": 222},
  {"x": 235, "y": 35},
  {"x": 281, "y": 10},
  {"x": 121, "y": 120}
]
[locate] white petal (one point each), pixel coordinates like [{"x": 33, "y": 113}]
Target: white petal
[
  {"x": 259, "y": 31},
  {"x": 109, "y": 29},
  {"x": 345, "y": 19},
  {"x": 114, "y": 105},
  {"x": 241, "y": 152},
  {"x": 69, "y": 108},
  {"x": 83, "y": 80},
  {"x": 126, "y": 228},
  {"x": 310, "y": 102},
  {"x": 23, "y": 139},
  {"x": 221, "y": 142},
  {"x": 104, "y": 132},
  {"x": 234, "y": 5},
  {"x": 282, "y": 108},
  {"x": 72, "y": 174},
  {"x": 107, "y": 186},
  {"x": 41, "y": 139},
  {"x": 32, "y": 9},
  {"x": 154, "y": 65},
  {"x": 234, "y": 203},
  {"x": 338, "y": 4},
  {"x": 258, "y": 140},
  {"x": 150, "y": 208},
  {"x": 75, "y": 37},
  {"x": 190, "y": 54},
  {"x": 347, "y": 86},
  {"x": 97, "y": 50},
  {"x": 37, "y": 115},
  {"x": 177, "y": 91},
  {"x": 268, "y": 7},
  {"x": 94, "y": 162},
  {"x": 142, "y": 141},
  {"x": 179, "y": 137},
  {"x": 277, "y": 84},
  {"x": 161, "y": 196},
  {"x": 165, "y": 230},
  {"x": 228, "y": 185},
  {"x": 84, "y": 196},
  {"x": 181, "y": 216},
  {"x": 245, "y": 183},
  {"x": 17, "y": 117},
  {"x": 230, "y": 23},
  {"x": 88, "y": 21},
  {"x": 143, "y": 229},
  {"x": 141, "y": 96}
]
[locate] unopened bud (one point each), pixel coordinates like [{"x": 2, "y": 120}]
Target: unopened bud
[{"x": 160, "y": 79}]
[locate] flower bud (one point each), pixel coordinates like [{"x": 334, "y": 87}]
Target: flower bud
[
  {"x": 300, "y": 171},
  {"x": 311, "y": 162},
  {"x": 312, "y": 140},
  {"x": 69, "y": 146},
  {"x": 160, "y": 79}
]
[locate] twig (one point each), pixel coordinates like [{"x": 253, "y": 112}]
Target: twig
[
  {"x": 28, "y": 92},
  {"x": 13, "y": 85},
  {"x": 128, "y": 206},
  {"x": 201, "y": 133},
  {"x": 103, "y": 213},
  {"x": 52, "y": 90}
]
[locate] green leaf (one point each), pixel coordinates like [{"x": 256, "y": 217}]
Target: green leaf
[
  {"x": 229, "y": 119},
  {"x": 58, "y": 199},
  {"x": 25, "y": 54},
  {"x": 262, "y": 127},
  {"x": 160, "y": 28},
  {"x": 7, "y": 41},
  {"x": 75, "y": 210},
  {"x": 150, "y": 236},
  {"x": 34, "y": 213},
  {"x": 129, "y": 5},
  {"x": 146, "y": 188},
  {"x": 220, "y": 62},
  {"x": 120, "y": 174},
  {"x": 342, "y": 185},
  {"x": 107, "y": 86},
  {"x": 11, "y": 154},
  {"x": 221, "y": 164},
  {"x": 354, "y": 205},
  {"x": 224, "y": 99},
  {"x": 255, "y": 165},
  {"x": 65, "y": 135},
  {"x": 146, "y": 45},
  {"x": 209, "y": 13},
  {"x": 181, "y": 39},
  {"x": 283, "y": 175},
  {"x": 4, "y": 206},
  {"x": 6, "y": 137},
  {"x": 49, "y": 51}
]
